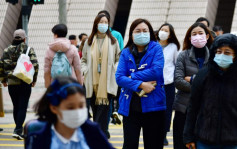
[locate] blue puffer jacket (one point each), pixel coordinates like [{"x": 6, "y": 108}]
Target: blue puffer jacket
[{"x": 150, "y": 69}]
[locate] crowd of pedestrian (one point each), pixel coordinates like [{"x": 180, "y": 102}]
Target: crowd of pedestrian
[{"x": 139, "y": 84}]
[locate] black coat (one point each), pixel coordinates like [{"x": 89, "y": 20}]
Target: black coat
[{"x": 212, "y": 111}]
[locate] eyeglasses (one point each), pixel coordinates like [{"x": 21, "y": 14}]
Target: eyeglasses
[{"x": 225, "y": 52}]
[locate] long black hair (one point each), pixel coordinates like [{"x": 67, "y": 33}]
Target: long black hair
[
  {"x": 42, "y": 107},
  {"x": 172, "y": 37}
]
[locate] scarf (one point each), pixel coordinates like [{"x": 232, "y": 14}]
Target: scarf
[{"x": 100, "y": 79}]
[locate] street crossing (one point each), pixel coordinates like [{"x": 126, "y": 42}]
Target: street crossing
[{"x": 116, "y": 131}]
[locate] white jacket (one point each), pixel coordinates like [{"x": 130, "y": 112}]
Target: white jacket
[{"x": 170, "y": 54}]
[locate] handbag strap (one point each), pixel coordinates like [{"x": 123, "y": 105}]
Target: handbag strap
[{"x": 28, "y": 50}]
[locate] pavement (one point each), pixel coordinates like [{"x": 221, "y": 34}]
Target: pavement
[
  {"x": 7, "y": 142},
  {"x": 7, "y": 123}
]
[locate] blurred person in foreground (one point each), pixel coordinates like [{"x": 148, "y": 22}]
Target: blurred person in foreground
[
  {"x": 62, "y": 120},
  {"x": 212, "y": 111}
]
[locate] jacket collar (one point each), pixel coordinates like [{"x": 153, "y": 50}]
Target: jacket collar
[
  {"x": 148, "y": 49},
  {"x": 193, "y": 57}
]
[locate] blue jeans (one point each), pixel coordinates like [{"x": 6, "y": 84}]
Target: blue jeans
[{"x": 201, "y": 145}]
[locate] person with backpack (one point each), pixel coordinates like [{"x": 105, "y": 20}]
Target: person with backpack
[
  {"x": 61, "y": 58},
  {"x": 19, "y": 90},
  {"x": 99, "y": 62},
  {"x": 63, "y": 121}
]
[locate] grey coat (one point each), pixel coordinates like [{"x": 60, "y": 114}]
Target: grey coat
[{"x": 186, "y": 65}]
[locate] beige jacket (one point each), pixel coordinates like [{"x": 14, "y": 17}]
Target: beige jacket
[{"x": 86, "y": 68}]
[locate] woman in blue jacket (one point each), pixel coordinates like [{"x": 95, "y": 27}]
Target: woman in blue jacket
[{"x": 141, "y": 68}]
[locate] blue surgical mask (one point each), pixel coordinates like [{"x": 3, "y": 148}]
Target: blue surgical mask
[
  {"x": 222, "y": 60},
  {"x": 141, "y": 39},
  {"x": 103, "y": 27}
]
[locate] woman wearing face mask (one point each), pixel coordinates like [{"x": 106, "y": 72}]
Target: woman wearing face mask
[
  {"x": 170, "y": 44},
  {"x": 141, "y": 68},
  {"x": 211, "y": 115},
  {"x": 194, "y": 56},
  {"x": 63, "y": 120},
  {"x": 99, "y": 61}
]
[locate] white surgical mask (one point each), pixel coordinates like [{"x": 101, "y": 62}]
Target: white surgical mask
[
  {"x": 163, "y": 35},
  {"x": 74, "y": 118}
]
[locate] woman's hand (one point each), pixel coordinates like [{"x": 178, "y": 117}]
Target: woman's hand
[
  {"x": 187, "y": 78},
  {"x": 147, "y": 87},
  {"x": 191, "y": 145}
]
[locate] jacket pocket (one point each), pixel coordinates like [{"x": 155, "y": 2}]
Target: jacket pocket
[
  {"x": 124, "y": 100},
  {"x": 156, "y": 98}
]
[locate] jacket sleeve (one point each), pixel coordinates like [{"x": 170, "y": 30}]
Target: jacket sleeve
[
  {"x": 76, "y": 65},
  {"x": 8, "y": 66},
  {"x": 6, "y": 63},
  {"x": 35, "y": 63},
  {"x": 117, "y": 52},
  {"x": 155, "y": 72},
  {"x": 47, "y": 69},
  {"x": 84, "y": 67},
  {"x": 179, "y": 74},
  {"x": 120, "y": 40},
  {"x": 176, "y": 53},
  {"x": 194, "y": 107},
  {"x": 122, "y": 76}
]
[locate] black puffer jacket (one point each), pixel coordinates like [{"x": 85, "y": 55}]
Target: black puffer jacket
[{"x": 212, "y": 111}]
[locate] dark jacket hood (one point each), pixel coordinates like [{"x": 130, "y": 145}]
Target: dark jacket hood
[{"x": 223, "y": 40}]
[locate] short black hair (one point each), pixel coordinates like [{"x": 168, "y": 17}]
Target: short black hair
[
  {"x": 42, "y": 107},
  {"x": 104, "y": 12},
  {"x": 203, "y": 19},
  {"x": 60, "y": 30},
  {"x": 217, "y": 28},
  {"x": 82, "y": 34},
  {"x": 72, "y": 37}
]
